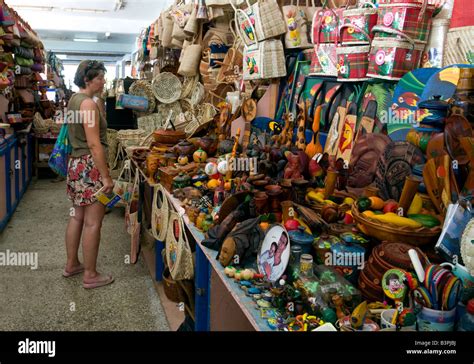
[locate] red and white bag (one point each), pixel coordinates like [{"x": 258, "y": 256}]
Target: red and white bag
[{"x": 353, "y": 60}]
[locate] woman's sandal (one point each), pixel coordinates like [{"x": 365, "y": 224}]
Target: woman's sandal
[
  {"x": 106, "y": 279},
  {"x": 67, "y": 274}
]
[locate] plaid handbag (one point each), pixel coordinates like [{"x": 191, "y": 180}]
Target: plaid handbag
[
  {"x": 361, "y": 18},
  {"x": 412, "y": 19},
  {"x": 324, "y": 58},
  {"x": 353, "y": 60},
  {"x": 325, "y": 25},
  {"x": 391, "y": 58}
]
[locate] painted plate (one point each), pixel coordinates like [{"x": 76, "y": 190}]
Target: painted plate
[
  {"x": 405, "y": 101},
  {"x": 274, "y": 254}
]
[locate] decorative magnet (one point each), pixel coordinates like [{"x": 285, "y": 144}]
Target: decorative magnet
[
  {"x": 380, "y": 57},
  {"x": 393, "y": 284},
  {"x": 388, "y": 19}
]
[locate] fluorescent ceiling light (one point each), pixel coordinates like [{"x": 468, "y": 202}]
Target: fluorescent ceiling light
[
  {"x": 51, "y": 8},
  {"x": 85, "y": 40},
  {"x": 34, "y": 7}
]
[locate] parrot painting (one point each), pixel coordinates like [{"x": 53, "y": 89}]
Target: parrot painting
[{"x": 408, "y": 99}]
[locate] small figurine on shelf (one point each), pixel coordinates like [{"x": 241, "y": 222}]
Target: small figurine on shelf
[
  {"x": 341, "y": 309},
  {"x": 293, "y": 168}
]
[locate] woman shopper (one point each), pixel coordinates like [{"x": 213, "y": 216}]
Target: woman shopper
[{"x": 87, "y": 174}]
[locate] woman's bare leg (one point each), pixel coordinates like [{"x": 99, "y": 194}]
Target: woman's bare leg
[
  {"x": 73, "y": 238},
  {"x": 94, "y": 214}
]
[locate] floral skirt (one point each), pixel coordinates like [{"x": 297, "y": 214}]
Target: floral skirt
[{"x": 83, "y": 180}]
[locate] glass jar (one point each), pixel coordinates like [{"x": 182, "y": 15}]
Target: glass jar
[
  {"x": 306, "y": 265},
  {"x": 295, "y": 256}
]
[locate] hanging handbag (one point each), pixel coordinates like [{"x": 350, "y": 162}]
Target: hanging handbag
[
  {"x": 362, "y": 18},
  {"x": 414, "y": 20},
  {"x": 325, "y": 24},
  {"x": 189, "y": 66},
  {"x": 58, "y": 160},
  {"x": 260, "y": 21},
  {"x": 132, "y": 223},
  {"x": 297, "y": 32},
  {"x": 324, "y": 57},
  {"x": 264, "y": 60},
  {"x": 160, "y": 213},
  {"x": 178, "y": 252},
  {"x": 353, "y": 60},
  {"x": 391, "y": 58}
]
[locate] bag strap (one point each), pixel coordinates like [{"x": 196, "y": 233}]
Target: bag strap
[{"x": 381, "y": 28}]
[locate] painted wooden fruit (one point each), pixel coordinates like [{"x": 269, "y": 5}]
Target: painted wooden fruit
[{"x": 200, "y": 156}]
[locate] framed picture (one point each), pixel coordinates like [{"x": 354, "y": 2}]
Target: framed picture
[{"x": 274, "y": 254}]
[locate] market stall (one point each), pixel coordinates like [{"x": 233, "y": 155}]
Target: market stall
[
  {"x": 22, "y": 61},
  {"x": 309, "y": 166}
]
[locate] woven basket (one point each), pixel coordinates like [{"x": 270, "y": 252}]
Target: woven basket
[
  {"x": 151, "y": 122},
  {"x": 171, "y": 287},
  {"x": 178, "y": 253},
  {"x": 159, "y": 213},
  {"x": 197, "y": 94},
  {"x": 143, "y": 88},
  {"x": 167, "y": 87},
  {"x": 112, "y": 141},
  {"x": 163, "y": 111},
  {"x": 219, "y": 94},
  {"x": 131, "y": 137},
  {"x": 388, "y": 232},
  {"x": 189, "y": 84},
  {"x": 459, "y": 43}
]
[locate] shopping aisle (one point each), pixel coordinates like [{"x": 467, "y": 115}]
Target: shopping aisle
[{"x": 42, "y": 299}]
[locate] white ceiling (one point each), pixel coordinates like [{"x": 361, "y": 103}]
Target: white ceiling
[{"x": 58, "y": 22}]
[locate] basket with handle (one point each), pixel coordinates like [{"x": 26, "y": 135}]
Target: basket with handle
[
  {"x": 352, "y": 60},
  {"x": 391, "y": 58},
  {"x": 178, "y": 252},
  {"x": 362, "y": 18},
  {"x": 159, "y": 213}
]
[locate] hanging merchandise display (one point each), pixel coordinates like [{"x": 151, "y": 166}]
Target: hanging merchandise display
[{"x": 315, "y": 156}]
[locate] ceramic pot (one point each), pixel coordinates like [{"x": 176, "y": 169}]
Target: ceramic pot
[
  {"x": 286, "y": 187},
  {"x": 208, "y": 144},
  {"x": 181, "y": 180},
  {"x": 184, "y": 147},
  {"x": 274, "y": 193},
  {"x": 261, "y": 199},
  {"x": 301, "y": 238},
  {"x": 168, "y": 137},
  {"x": 225, "y": 146},
  {"x": 299, "y": 190}
]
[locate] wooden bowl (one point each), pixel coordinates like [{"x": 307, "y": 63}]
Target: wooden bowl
[
  {"x": 168, "y": 137},
  {"x": 392, "y": 233}
]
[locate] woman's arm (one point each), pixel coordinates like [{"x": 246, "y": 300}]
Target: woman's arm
[{"x": 91, "y": 120}]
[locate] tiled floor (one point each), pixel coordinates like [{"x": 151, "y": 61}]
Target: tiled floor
[{"x": 42, "y": 299}]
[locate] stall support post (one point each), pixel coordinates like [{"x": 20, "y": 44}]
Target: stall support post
[
  {"x": 159, "y": 263},
  {"x": 203, "y": 285}
]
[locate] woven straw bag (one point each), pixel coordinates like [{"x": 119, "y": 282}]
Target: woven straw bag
[
  {"x": 159, "y": 213},
  {"x": 260, "y": 21},
  {"x": 150, "y": 123},
  {"x": 189, "y": 66},
  {"x": 112, "y": 141},
  {"x": 460, "y": 44},
  {"x": 167, "y": 87},
  {"x": 166, "y": 34},
  {"x": 131, "y": 137},
  {"x": 143, "y": 88},
  {"x": 189, "y": 84},
  {"x": 197, "y": 94},
  {"x": 178, "y": 252}
]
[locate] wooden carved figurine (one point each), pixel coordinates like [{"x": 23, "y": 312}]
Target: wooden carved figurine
[
  {"x": 293, "y": 167},
  {"x": 341, "y": 309},
  {"x": 301, "y": 120}
]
